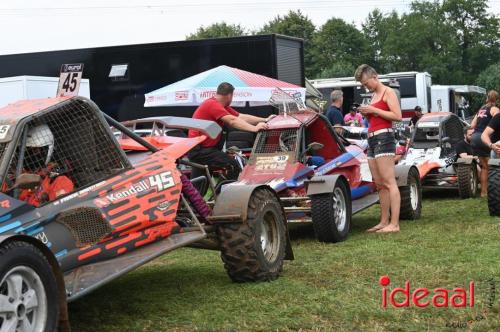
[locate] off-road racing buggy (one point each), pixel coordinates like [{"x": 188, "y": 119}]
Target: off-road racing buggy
[
  {"x": 432, "y": 151},
  {"x": 494, "y": 187},
  {"x": 75, "y": 213},
  {"x": 318, "y": 175}
]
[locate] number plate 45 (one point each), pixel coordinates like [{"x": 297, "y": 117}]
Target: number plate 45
[{"x": 162, "y": 181}]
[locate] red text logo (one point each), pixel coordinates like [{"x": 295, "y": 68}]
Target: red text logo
[{"x": 458, "y": 297}]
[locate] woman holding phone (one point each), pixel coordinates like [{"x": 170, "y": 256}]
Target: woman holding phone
[{"x": 383, "y": 110}]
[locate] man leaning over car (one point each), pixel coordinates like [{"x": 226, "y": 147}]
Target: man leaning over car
[{"x": 217, "y": 109}]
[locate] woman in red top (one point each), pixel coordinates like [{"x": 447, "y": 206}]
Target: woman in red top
[{"x": 383, "y": 110}]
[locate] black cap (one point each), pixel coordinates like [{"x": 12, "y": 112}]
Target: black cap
[{"x": 418, "y": 109}]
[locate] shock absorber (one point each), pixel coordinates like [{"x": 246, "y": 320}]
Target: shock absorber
[{"x": 195, "y": 198}]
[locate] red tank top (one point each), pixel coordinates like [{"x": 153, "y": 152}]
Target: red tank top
[{"x": 377, "y": 122}]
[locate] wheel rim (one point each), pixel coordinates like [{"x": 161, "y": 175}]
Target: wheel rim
[
  {"x": 269, "y": 237},
  {"x": 339, "y": 209},
  {"x": 414, "y": 196},
  {"x": 23, "y": 302},
  {"x": 473, "y": 181}
]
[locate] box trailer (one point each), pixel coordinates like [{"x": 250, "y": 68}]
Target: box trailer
[
  {"x": 121, "y": 75},
  {"x": 17, "y": 88},
  {"x": 456, "y": 99}
]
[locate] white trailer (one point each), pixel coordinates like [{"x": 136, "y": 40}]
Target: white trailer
[
  {"x": 414, "y": 88},
  {"x": 33, "y": 87},
  {"x": 455, "y": 99}
]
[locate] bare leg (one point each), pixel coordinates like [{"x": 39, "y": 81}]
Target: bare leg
[
  {"x": 390, "y": 185},
  {"x": 383, "y": 197},
  {"x": 483, "y": 177}
]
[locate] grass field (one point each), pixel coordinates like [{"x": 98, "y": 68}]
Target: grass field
[{"x": 328, "y": 287}]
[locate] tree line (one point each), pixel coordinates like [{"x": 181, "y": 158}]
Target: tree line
[{"x": 457, "y": 41}]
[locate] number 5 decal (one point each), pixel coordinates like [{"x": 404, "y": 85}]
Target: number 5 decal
[{"x": 3, "y": 131}]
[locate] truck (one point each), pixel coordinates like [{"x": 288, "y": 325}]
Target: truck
[
  {"x": 414, "y": 88},
  {"x": 121, "y": 75}
]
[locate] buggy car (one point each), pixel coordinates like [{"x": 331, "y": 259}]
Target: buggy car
[
  {"x": 432, "y": 150},
  {"x": 318, "y": 175},
  {"x": 75, "y": 213}
]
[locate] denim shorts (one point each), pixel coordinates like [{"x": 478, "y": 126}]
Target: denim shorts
[
  {"x": 381, "y": 145},
  {"x": 478, "y": 147}
]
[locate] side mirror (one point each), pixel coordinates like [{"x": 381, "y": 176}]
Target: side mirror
[
  {"x": 445, "y": 139},
  {"x": 27, "y": 181},
  {"x": 402, "y": 142}
]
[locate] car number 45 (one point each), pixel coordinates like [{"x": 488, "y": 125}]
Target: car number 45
[{"x": 162, "y": 181}]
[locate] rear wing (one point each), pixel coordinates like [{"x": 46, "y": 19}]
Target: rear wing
[{"x": 208, "y": 128}]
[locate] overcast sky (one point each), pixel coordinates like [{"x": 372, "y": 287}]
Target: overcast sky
[{"x": 40, "y": 25}]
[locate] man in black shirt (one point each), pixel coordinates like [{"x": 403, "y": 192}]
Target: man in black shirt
[
  {"x": 416, "y": 117},
  {"x": 463, "y": 148},
  {"x": 491, "y": 135}
]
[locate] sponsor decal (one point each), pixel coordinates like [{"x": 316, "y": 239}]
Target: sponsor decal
[
  {"x": 207, "y": 94},
  {"x": 79, "y": 193},
  {"x": 164, "y": 205},
  {"x": 5, "y": 204},
  {"x": 242, "y": 94},
  {"x": 181, "y": 95},
  {"x": 42, "y": 237},
  {"x": 159, "y": 182},
  {"x": 428, "y": 124},
  {"x": 276, "y": 163}
]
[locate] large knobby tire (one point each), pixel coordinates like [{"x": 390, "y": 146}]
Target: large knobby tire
[
  {"x": 411, "y": 197},
  {"x": 331, "y": 214},
  {"x": 28, "y": 289},
  {"x": 467, "y": 180},
  {"x": 494, "y": 190},
  {"x": 254, "y": 250}
]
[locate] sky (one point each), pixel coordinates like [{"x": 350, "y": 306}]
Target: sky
[{"x": 43, "y": 25}]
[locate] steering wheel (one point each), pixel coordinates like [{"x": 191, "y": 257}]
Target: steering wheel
[{"x": 287, "y": 141}]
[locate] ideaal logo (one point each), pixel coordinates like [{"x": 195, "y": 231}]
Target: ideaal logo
[
  {"x": 423, "y": 297},
  {"x": 458, "y": 297}
]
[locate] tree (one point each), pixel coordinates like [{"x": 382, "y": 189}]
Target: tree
[
  {"x": 338, "y": 69},
  {"x": 377, "y": 28},
  {"x": 490, "y": 78},
  {"x": 477, "y": 32},
  {"x": 217, "y": 30},
  {"x": 339, "y": 45},
  {"x": 424, "y": 42},
  {"x": 294, "y": 24}
]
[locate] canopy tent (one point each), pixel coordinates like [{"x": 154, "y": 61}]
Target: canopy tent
[{"x": 249, "y": 87}]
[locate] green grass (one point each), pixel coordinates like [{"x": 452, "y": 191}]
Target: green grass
[{"x": 328, "y": 287}]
